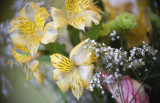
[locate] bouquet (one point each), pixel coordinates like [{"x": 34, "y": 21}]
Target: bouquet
[{"x": 106, "y": 49}]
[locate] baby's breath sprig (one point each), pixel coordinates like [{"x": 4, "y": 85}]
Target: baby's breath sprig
[{"x": 117, "y": 61}]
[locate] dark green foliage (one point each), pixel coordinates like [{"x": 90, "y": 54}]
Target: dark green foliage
[
  {"x": 155, "y": 19},
  {"x": 56, "y": 47},
  {"x": 73, "y": 35},
  {"x": 99, "y": 4}
]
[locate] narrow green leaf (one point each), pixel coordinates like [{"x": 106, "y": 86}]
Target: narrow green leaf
[
  {"x": 94, "y": 31},
  {"x": 73, "y": 35},
  {"x": 56, "y": 47},
  {"x": 63, "y": 96}
]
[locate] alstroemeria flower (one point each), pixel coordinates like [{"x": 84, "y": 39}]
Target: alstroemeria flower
[
  {"x": 29, "y": 30},
  {"x": 75, "y": 71},
  {"x": 30, "y": 61},
  {"x": 127, "y": 90},
  {"x": 80, "y": 13}
]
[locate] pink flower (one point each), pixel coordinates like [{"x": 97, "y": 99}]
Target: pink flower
[{"x": 126, "y": 90}]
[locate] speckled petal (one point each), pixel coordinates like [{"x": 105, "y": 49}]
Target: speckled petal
[
  {"x": 90, "y": 16},
  {"x": 41, "y": 17},
  {"x": 77, "y": 6},
  {"x": 20, "y": 57},
  {"x": 76, "y": 84},
  {"x": 21, "y": 47},
  {"x": 81, "y": 55},
  {"x": 78, "y": 23},
  {"x": 61, "y": 62},
  {"x": 22, "y": 25}
]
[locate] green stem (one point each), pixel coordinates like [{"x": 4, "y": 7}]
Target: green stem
[
  {"x": 63, "y": 96},
  {"x": 140, "y": 86},
  {"x": 121, "y": 42},
  {"x": 136, "y": 93},
  {"x": 136, "y": 75}
]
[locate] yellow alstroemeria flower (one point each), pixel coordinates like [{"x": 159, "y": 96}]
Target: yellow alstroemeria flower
[
  {"x": 30, "y": 61},
  {"x": 75, "y": 71},
  {"x": 29, "y": 30},
  {"x": 80, "y": 13}
]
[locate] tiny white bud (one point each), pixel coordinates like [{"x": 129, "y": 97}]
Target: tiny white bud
[
  {"x": 113, "y": 39},
  {"x": 118, "y": 37}
]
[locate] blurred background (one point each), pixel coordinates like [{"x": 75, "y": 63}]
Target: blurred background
[{"x": 13, "y": 86}]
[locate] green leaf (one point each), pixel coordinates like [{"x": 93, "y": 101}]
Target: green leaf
[
  {"x": 56, "y": 47},
  {"x": 99, "y": 3},
  {"x": 94, "y": 31},
  {"x": 73, "y": 35},
  {"x": 155, "y": 19}
]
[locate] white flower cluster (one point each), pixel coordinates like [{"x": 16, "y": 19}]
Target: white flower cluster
[
  {"x": 118, "y": 60},
  {"x": 108, "y": 79},
  {"x": 114, "y": 36},
  {"x": 138, "y": 56},
  {"x": 95, "y": 82},
  {"x": 108, "y": 82},
  {"x": 100, "y": 79},
  {"x": 112, "y": 58}
]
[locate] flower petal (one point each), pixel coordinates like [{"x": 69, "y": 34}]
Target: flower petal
[
  {"x": 29, "y": 11},
  {"x": 33, "y": 65},
  {"x": 63, "y": 79},
  {"x": 83, "y": 56},
  {"x": 39, "y": 76},
  {"x": 23, "y": 25},
  {"x": 143, "y": 96},
  {"x": 59, "y": 18},
  {"x": 86, "y": 73},
  {"x": 33, "y": 45},
  {"x": 58, "y": 75},
  {"x": 61, "y": 62},
  {"x": 20, "y": 57},
  {"x": 19, "y": 41},
  {"x": 76, "y": 84},
  {"x": 78, "y": 23},
  {"x": 94, "y": 7},
  {"x": 76, "y": 6},
  {"x": 89, "y": 16},
  {"x": 50, "y": 33},
  {"x": 18, "y": 38},
  {"x": 41, "y": 17},
  {"x": 21, "y": 47}
]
